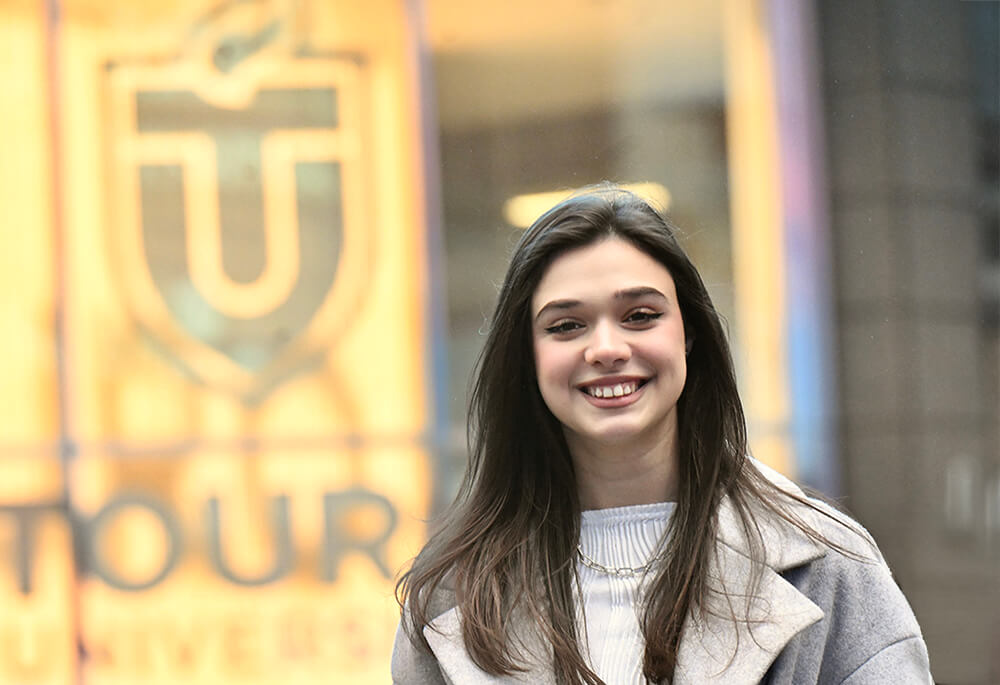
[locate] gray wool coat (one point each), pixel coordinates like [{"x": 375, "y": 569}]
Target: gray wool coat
[{"x": 819, "y": 617}]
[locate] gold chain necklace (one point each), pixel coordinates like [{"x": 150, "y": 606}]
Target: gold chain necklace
[{"x": 619, "y": 571}]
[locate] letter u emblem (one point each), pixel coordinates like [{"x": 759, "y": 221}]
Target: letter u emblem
[{"x": 245, "y": 239}]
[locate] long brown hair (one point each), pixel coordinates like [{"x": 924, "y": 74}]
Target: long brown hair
[{"x": 508, "y": 541}]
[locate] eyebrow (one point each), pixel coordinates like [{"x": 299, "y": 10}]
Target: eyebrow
[
  {"x": 624, "y": 294},
  {"x": 637, "y": 292}
]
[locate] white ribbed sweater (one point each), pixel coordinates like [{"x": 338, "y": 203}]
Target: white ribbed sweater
[{"x": 608, "y": 605}]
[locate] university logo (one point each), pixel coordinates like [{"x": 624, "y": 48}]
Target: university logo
[{"x": 238, "y": 198}]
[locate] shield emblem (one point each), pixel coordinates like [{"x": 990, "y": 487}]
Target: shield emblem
[{"x": 238, "y": 210}]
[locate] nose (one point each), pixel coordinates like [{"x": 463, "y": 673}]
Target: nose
[{"x": 607, "y": 346}]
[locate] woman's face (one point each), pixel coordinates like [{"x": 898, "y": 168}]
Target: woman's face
[{"x": 609, "y": 345}]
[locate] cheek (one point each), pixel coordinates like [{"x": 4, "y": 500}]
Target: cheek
[
  {"x": 668, "y": 353},
  {"x": 680, "y": 364},
  {"x": 552, "y": 367},
  {"x": 543, "y": 363}
]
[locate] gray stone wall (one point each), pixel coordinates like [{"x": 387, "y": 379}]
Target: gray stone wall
[{"x": 917, "y": 356}]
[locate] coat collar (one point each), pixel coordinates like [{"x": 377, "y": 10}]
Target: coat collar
[
  {"x": 718, "y": 650},
  {"x": 714, "y": 649}
]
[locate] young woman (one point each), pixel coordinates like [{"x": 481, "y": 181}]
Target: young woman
[{"x": 611, "y": 527}]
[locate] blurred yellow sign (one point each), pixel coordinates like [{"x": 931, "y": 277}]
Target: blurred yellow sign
[{"x": 241, "y": 401}]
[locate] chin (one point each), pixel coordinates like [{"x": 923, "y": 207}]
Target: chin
[{"x": 616, "y": 436}]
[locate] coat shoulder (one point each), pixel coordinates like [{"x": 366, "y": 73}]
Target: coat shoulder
[
  {"x": 413, "y": 663},
  {"x": 867, "y": 626},
  {"x": 828, "y": 523}
]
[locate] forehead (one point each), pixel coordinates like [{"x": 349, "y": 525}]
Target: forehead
[{"x": 599, "y": 270}]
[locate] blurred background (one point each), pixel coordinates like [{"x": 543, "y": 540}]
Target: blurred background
[{"x": 249, "y": 250}]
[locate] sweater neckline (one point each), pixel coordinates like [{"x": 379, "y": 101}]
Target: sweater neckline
[
  {"x": 631, "y": 512},
  {"x": 624, "y": 536}
]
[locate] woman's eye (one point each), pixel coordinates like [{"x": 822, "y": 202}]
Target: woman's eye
[
  {"x": 643, "y": 317},
  {"x": 563, "y": 327}
]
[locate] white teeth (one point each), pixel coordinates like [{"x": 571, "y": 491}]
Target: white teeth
[{"x": 617, "y": 390}]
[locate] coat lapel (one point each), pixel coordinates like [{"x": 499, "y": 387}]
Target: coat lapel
[
  {"x": 444, "y": 635},
  {"x": 722, "y": 646},
  {"x": 737, "y": 638}
]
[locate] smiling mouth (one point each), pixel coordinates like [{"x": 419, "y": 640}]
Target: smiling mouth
[{"x": 613, "y": 389}]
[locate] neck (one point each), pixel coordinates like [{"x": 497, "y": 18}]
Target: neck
[{"x": 618, "y": 475}]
